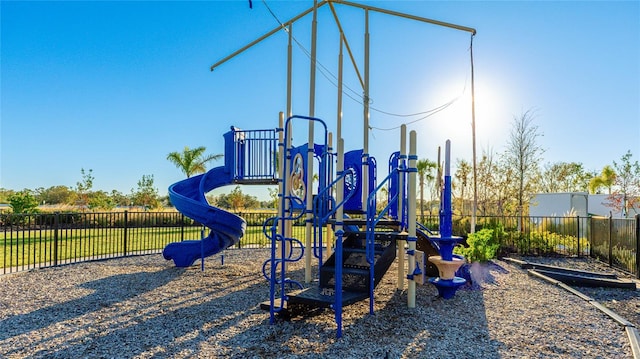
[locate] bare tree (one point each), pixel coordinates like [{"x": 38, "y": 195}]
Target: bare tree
[
  {"x": 486, "y": 184},
  {"x": 523, "y": 155},
  {"x": 463, "y": 177},
  {"x": 425, "y": 169},
  {"x": 627, "y": 184},
  {"x": 565, "y": 177}
]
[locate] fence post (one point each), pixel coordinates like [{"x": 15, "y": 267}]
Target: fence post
[
  {"x": 56, "y": 224},
  {"x": 637, "y": 245},
  {"x": 181, "y": 227},
  {"x": 239, "y": 245},
  {"x": 578, "y": 234},
  {"x": 126, "y": 227},
  {"x": 590, "y": 235},
  {"x": 610, "y": 240}
]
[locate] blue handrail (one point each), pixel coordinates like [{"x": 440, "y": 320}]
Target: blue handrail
[
  {"x": 280, "y": 262},
  {"x": 372, "y": 220},
  {"x": 320, "y": 219},
  {"x": 427, "y": 233}
]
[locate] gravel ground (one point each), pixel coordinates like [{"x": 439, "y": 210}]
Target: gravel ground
[
  {"x": 624, "y": 302},
  {"x": 143, "y": 307}
]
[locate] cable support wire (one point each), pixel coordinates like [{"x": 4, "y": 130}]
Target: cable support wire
[
  {"x": 323, "y": 69},
  {"x": 357, "y": 98},
  {"x": 427, "y": 113}
]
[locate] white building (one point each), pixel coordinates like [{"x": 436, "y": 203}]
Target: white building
[{"x": 571, "y": 204}]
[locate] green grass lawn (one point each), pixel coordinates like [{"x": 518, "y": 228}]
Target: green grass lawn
[{"x": 33, "y": 248}]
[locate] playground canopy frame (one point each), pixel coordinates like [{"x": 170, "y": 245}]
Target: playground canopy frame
[{"x": 284, "y": 25}]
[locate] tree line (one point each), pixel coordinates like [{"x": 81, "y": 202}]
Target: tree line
[
  {"x": 83, "y": 196},
  {"x": 145, "y": 195},
  {"x": 507, "y": 181}
]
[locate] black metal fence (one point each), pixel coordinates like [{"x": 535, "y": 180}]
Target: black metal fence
[
  {"x": 29, "y": 241},
  {"x": 49, "y": 239},
  {"x": 564, "y": 236},
  {"x": 616, "y": 241}
]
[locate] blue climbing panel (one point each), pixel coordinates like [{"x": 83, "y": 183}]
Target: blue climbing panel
[{"x": 353, "y": 160}]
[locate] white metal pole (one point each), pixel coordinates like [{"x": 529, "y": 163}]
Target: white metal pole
[
  {"x": 289, "y": 67},
  {"x": 339, "y": 140},
  {"x": 340, "y": 185},
  {"x": 411, "y": 197},
  {"x": 339, "y": 114},
  {"x": 401, "y": 243},
  {"x": 280, "y": 169},
  {"x": 309, "y": 170},
  {"x": 329, "y": 241},
  {"x": 288, "y": 228},
  {"x": 365, "y": 152},
  {"x": 473, "y": 137}
]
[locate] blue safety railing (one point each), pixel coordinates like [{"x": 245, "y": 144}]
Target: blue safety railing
[
  {"x": 427, "y": 233},
  {"x": 251, "y": 155},
  {"x": 279, "y": 240},
  {"x": 396, "y": 192},
  {"x": 373, "y": 217},
  {"x": 320, "y": 219},
  {"x": 322, "y": 215}
]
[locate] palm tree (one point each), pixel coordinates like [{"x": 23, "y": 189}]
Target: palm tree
[
  {"x": 606, "y": 179},
  {"x": 192, "y": 161},
  {"x": 608, "y": 176},
  {"x": 425, "y": 172}
]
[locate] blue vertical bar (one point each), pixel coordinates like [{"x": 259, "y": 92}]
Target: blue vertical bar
[
  {"x": 445, "y": 220},
  {"x": 338, "y": 290}
]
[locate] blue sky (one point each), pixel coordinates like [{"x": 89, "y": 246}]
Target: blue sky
[{"x": 114, "y": 86}]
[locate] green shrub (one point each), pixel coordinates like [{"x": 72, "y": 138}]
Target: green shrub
[
  {"x": 545, "y": 243},
  {"x": 23, "y": 202},
  {"x": 460, "y": 226},
  {"x": 482, "y": 246}
]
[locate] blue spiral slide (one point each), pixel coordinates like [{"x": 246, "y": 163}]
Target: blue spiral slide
[{"x": 188, "y": 196}]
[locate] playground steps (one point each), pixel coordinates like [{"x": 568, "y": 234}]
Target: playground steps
[
  {"x": 355, "y": 271},
  {"x": 355, "y": 268},
  {"x": 324, "y": 297},
  {"x": 423, "y": 243}
]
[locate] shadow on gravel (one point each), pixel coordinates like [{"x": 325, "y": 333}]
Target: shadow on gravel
[
  {"x": 193, "y": 320},
  {"x": 437, "y": 327},
  {"x": 106, "y": 292},
  {"x": 185, "y": 322}
]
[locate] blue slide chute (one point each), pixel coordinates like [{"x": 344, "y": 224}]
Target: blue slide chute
[{"x": 188, "y": 196}]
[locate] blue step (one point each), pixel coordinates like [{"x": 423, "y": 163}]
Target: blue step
[{"x": 324, "y": 297}]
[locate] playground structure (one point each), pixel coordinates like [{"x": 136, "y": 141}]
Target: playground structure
[
  {"x": 364, "y": 247},
  {"x": 359, "y": 250}
]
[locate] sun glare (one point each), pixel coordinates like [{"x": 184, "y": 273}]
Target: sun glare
[{"x": 454, "y": 120}]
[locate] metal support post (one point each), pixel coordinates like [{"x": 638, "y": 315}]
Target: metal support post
[{"x": 411, "y": 294}]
